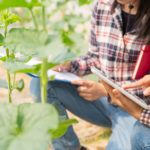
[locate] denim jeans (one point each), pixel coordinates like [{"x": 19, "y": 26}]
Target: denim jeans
[
  {"x": 140, "y": 137},
  {"x": 100, "y": 112}
]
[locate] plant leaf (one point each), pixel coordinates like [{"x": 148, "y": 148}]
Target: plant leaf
[
  {"x": 62, "y": 128},
  {"x": 83, "y": 2},
  {"x": 19, "y": 67},
  {"x": 7, "y": 18},
  {"x": 20, "y": 85},
  {"x": 25, "y": 127},
  {"x": 1, "y": 39},
  {"x": 18, "y": 3},
  {"x": 35, "y": 43}
]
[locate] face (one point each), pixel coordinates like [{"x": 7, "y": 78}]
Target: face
[{"x": 123, "y": 2}]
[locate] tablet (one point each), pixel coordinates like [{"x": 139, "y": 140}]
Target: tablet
[{"x": 134, "y": 98}]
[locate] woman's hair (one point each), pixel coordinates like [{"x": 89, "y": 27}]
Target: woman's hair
[{"x": 142, "y": 20}]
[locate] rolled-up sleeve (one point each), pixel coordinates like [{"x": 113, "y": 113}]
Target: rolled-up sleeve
[{"x": 145, "y": 117}]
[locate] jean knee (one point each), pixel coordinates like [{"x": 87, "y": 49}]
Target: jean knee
[{"x": 140, "y": 137}]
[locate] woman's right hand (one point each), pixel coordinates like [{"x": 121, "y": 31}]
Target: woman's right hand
[
  {"x": 144, "y": 82},
  {"x": 65, "y": 67}
]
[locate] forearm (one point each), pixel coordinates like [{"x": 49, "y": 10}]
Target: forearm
[{"x": 82, "y": 65}]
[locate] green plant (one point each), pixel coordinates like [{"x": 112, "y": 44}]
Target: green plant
[{"x": 27, "y": 123}]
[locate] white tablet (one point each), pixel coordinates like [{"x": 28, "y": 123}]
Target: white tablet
[{"x": 134, "y": 98}]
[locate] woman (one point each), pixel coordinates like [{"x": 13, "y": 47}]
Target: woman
[
  {"x": 140, "y": 138},
  {"x": 119, "y": 30}
]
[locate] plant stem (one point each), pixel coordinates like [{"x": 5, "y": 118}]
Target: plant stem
[
  {"x": 34, "y": 19},
  {"x": 9, "y": 80},
  {"x": 14, "y": 81},
  {"x": 8, "y": 74},
  {"x": 44, "y": 18},
  {"x": 44, "y": 80}
]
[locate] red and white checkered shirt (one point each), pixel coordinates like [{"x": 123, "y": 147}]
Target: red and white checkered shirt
[{"x": 112, "y": 52}]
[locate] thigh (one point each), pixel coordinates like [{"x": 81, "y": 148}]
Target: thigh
[
  {"x": 140, "y": 139},
  {"x": 67, "y": 95}
]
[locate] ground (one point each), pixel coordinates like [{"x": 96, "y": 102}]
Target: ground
[{"x": 91, "y": 136}]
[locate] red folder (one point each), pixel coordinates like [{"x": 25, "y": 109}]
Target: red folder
[{"x": 142, "y": 66}]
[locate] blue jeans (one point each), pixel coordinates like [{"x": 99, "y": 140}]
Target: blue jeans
[
  {"x": 35, "y": 89},
  {"x": 140, "y": 137},
  {"x": 100, "y": 112}
]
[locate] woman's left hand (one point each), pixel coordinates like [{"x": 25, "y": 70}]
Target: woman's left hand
[{"x": 122, "y": 101}]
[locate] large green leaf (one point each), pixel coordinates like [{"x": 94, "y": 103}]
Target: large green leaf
[
  {"x": 18, "y": 3},
  {"x": 19, "y": 67},
  {"x": 36, "y": 43},
  {"x": 25, "y": 127}
]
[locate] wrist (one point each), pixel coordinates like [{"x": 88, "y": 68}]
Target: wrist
[
  {"x": 103, "y": 90},
  {"x": 138, "y": 113}
]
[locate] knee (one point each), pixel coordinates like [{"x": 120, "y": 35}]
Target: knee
[
  {"x": 140, "y": 137},
  {"x": 57, "y": 90}
]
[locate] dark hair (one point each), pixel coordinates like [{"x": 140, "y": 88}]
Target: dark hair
[{"x": 143, "y": 20}]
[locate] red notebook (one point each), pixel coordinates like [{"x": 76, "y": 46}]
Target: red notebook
[{"x": 142, "y": 66}]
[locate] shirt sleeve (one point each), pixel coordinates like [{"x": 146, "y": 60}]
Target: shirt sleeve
[
  {"x": 145, "y": 117},
  {"x": 81, "y": 66}
]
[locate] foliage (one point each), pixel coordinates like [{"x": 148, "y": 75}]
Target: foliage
[
  {"x": 26, "y": 126},
  {"x": 62, "y": 128},
  {"x": 51, "y": 42}
]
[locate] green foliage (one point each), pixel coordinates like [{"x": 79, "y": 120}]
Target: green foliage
[
  {"x": 19, "y": 67},
  {"x": 18, "y": 3},
  {"x": 38, "y": 44},
  {"x": 7, "y": 18},
  {"x": 20, "y": 85},
  {"x": 33, "y": 43},
  {"x": 1, "y": 39},
  {"x": 53, "y": 44},
  {"x": 62, "y": 128},
  {"x": 83, "y": 2},
  {"x": 26, "y": 126}
]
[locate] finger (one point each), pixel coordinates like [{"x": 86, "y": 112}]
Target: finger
[
  {"x": 85, "y": 95},
  {"x": 77, "y": 82},
  {"x": 82, "y": 89},
  {"x": 147, "y": 91},
  {"x": 142, "y": 82}
]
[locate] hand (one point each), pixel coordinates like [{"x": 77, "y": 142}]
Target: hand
[
  {"x": 122, "y": 101},
  {"x": 65, "y": 67},
  {"x": 90, "y": 90},
  {"x": 144, "y": 82}
]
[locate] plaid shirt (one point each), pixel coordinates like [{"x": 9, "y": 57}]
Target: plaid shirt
[{"x": 112, "y": 52}]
